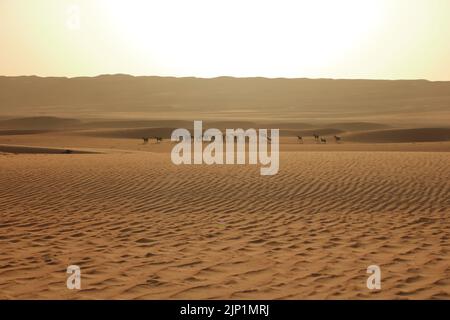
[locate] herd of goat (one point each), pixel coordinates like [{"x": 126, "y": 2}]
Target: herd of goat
[
  {"x": 158, "y": 139},
  {"x": 320, "y": 139},
  {"x": 317, "y": 138}
]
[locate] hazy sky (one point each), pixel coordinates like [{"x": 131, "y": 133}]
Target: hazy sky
[{"x": 381, "y": 39}]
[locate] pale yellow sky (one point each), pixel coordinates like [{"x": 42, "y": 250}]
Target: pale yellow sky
[{"x": 373, "y": 39}]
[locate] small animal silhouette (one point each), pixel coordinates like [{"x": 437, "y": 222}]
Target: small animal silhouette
[
  {"x": 300, "y": 139},
  {"x": 316, "y": 137},
  {"x": 323, "y": 140},
  {"x": 338, "y": 139},
  {"x": 158, "y": 139},
  {"x": 145, "y": 140}
]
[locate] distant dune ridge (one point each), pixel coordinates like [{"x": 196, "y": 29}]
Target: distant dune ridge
[{"x": 226, "y": 97}]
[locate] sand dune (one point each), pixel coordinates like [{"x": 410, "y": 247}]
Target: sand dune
[
  {"x": 357, "y": 126},
  {"x": 38, "y": 150},
  {"x": 51, "y": 123},
  {"x": 166, "y": 132},
  {"x": 401, "y": 135},
  {"x": 136, "y": 129},
  {"x": 131, "y": 133},
  {"x": 140, "y": 227},
  {"x": 20, "y": 132},
  {"x": 310, "y": 133},
  {"x": 35, "y": 123},
  {"x": 133, "y": 124},
  {"x": 107, "y": 141}
]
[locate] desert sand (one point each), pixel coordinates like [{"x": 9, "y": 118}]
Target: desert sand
[
  {"x": 142, "y": 228},
  {"x": 79, "y": 187}
]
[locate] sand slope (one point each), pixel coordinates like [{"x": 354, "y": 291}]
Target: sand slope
[
  {"x": 401, "y": 135},
  {"x": 39, "y": 150},
  {"x": 140, "y": 227},
  {"x": 38, "y": 123}
]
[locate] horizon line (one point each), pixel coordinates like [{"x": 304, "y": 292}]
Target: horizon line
[{"x": 216, "y": 77}]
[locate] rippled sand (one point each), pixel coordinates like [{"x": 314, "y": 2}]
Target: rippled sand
[{"x": 140, "y": 227}]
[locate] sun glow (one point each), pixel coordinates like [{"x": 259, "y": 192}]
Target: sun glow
[
  {"x": 242, "y": 38},
  {"x": 375, "y": 39}
]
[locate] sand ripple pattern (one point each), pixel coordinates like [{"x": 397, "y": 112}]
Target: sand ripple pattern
[{"x": 140, "y": 227}]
